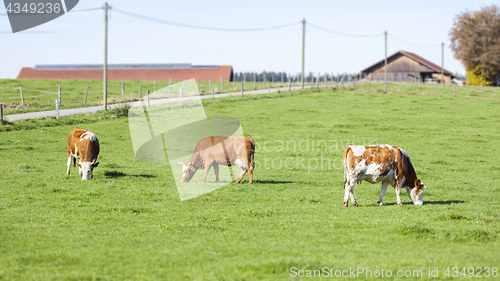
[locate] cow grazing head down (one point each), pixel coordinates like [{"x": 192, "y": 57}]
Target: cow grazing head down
[
  {"x": 381, "y": 163},
  {"x": 188, "y": 171},
  {"x": 85, "y": 169},
  {"x": 416, "y": 192},
  {"x": 83, "y": 146}
]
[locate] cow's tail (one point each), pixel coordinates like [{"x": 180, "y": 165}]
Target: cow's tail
[
  {"x": 345, "y": 160},
  {"x": 252, "y": 152}
]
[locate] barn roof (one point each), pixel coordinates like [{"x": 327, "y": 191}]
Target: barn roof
[
  {"x": 159, "y": 72},
  {"x": 432, "y": 66}
]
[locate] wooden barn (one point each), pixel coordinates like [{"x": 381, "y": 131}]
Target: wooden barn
[
  {"x": 158, "y": 72},
  {"x": 404, "y": 66}
]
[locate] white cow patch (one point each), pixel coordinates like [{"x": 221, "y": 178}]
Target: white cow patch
[
  {"x": 89, "y": 136},
  {"x": 357, "y": 150},
  {"x": 75, "y": 154},
  {"x": 387, "y": 146},
  {"x": 86, "y": 170},
  {"x": 240, "y": 164}
]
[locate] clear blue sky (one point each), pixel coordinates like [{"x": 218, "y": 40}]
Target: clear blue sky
[{"x": 77, "y": 38}]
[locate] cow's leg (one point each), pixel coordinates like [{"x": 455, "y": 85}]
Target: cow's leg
[
  {"x": 69, "y": 164},
  {"x": 243, "y": 168},
  {"x": 208, "y": 164},
  {"x": 216, "y": 171},
  {"x": 383, "y": 190},
  {"x": 349, "y": 191},
  {"x": 399, "y": 185},
  {"x": 353, "y": 200},
  {"x": 250, "y": 173}
]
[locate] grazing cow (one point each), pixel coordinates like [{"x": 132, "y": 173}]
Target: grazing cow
[
  {"x": 84, "y": 146},
  {"x": 381, "y": 163},
  {"x": 215, "y": 150}
]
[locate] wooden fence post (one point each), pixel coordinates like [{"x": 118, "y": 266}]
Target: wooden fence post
[
  {"x": 57, "y": 109},
  {"x": 221, "y": 84},
  {"x": 59, "y": 95},
  {"x": 22, "y": 97},
  {"x": 241, "y": 88},
  {"x": 210, "y": 84},
  {"x": 212, "y": 93},
  {"x": 140, "y": 89},
  {"x": 1, "y": 113},
  {"x": 148, "y": 98},
  {"x": 86, "y": 92}
]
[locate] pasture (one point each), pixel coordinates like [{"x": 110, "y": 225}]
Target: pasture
[{"x": 128, "y": 223}]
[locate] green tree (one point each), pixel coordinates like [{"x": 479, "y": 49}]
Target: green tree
[{"x": 475, "y": 40}]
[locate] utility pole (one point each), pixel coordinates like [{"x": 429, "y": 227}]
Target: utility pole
[
  {"x": 303, "y": 49},
  {"x": 105, "y": 70},
  {"x": 385, "y": 68},
  {"x": 442, "y": 62}
]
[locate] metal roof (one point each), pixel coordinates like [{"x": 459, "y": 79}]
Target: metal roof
[{"x": 122, "y": 66}]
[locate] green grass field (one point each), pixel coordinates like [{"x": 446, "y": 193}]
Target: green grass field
[
  {"x": 40, "y": 95},
  {"x": 129, "y": 224}
]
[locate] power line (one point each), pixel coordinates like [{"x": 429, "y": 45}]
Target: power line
[
  {"x": 130, "y": 14},
  {"x": 71, "y": 11},
  {"x": 86, "y": 10},
  {"x": 342, "y": 33},
  {"x": 413, "y": 44}
]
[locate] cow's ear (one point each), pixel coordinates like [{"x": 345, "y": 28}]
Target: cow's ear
[
  {"x": 95, "y": 164},
  {"x": 79, "y": 165}
]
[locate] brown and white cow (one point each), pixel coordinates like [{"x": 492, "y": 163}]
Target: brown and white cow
[
  {"x": 84, "y": 146},
  {"x": 381, "y": 163},
  {"x": 227, "y": 151}
]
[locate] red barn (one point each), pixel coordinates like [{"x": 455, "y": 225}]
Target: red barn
[{"x": 145, "y": 72}]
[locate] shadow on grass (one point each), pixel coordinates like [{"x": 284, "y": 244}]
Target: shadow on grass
[
  {"x": 272, "y": 182},
  {"x": 449, "y": 202},
  {"x": 116, "y": 174}
]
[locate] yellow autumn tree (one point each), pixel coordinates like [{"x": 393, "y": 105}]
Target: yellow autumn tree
[{"x": 475, "y": 41}]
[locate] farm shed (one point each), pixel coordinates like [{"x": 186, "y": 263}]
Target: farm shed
[
  {"x": 145, "y": 72},
  {"x": 405, "y": 66}
]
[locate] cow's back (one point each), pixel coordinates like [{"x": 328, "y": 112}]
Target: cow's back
[
  {"x": 371, "y": 163},
  {"x": 222, "y": 148},
  {"x": 86, "y": 148}
]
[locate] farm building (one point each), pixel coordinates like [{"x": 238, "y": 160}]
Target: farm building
[
  {"x": 405, "y": 66},
  {"x": 146, "y": 72}
]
